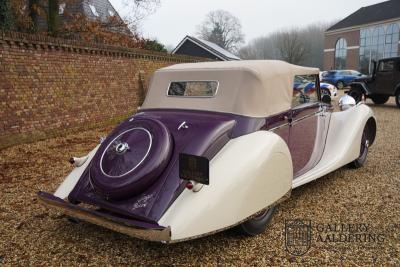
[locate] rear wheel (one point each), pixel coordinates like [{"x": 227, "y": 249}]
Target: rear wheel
[
  {"x": 325, "y": 92},
  {"x": 398, "y": 98},
  {"x": 257, "y": 224},
  {"x": 362, "y": 158},
  {"x": 356, "y": 93},
  {"x": 379, "y": 99},
  {"x": 340, "y": 85}
]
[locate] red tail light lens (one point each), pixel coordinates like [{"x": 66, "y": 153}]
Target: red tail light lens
[{"x": 189, "y": 185}]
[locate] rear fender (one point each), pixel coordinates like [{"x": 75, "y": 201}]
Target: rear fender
[
  {"x": 72, "y": 179},
  {"x": 250, "y": 173}
]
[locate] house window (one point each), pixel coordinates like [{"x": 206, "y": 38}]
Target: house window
[
  {"x": 391, "y": 40},
  {"x": 61, "y": 8},
  {"x": 94, "y": 11},
  {"x": 340, "y": 54},
  {"x": 365, "y": 50},
  {"x": 377, "y": 43}
]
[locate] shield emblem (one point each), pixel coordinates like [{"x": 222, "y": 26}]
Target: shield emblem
[{"x": 297, "y": 236}]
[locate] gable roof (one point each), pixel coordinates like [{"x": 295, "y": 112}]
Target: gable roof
[
  {"x": 103, "y": 9},
  {"x": 214, "y": 49},
  {"x": 369, "y": 14},
  {"x": 96, "y": 9}
]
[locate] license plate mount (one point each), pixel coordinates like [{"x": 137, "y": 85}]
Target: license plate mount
[{"x": 194, "y": 168}]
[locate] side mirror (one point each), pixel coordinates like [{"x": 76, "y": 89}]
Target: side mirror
[
  {"x": 346, "y": 102},
  {"x": 326, "y": 99}
]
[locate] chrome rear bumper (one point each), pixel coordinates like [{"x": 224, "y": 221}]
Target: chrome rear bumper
[{"x": 142, "y": 230}]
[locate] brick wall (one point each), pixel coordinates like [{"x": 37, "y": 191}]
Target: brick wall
[
  {"x": 51, "y": 86},
  {"x": 353, "y": 42}
]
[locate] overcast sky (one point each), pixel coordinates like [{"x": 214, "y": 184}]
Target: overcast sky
[{"x": 174, "y": 19}]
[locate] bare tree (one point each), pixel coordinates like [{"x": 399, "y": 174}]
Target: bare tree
[
  {"x": 137, "y": 10},
  {"x": 291, "y": 46},
  {"x": 260, "y": 48},
  {"x": 298, "y": 45},
  {"x": 223, "y": 29},
  {"x": 283, "y": 45}
]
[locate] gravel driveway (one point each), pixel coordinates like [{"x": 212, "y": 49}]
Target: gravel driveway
[{"x": 366, "y": 201}]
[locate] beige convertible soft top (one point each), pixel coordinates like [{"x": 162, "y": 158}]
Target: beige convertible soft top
[{"x": 256, "y": 88}]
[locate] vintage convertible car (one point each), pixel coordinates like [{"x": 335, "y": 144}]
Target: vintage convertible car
[{"x": 215, "y": 145}]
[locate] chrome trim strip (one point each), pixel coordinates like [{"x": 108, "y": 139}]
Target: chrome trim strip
[
  {"x": 183, "y": 125},
  {"x": 280, "y": 126},
  {"x": 298, "y": 120},
  {"x": 306, "y": 117}
]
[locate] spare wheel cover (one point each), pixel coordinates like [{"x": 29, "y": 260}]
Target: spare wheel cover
[{"x": 131, "y": 158}]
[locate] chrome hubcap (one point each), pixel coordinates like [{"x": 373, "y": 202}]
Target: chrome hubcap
[{"x": 121, "y": 148}]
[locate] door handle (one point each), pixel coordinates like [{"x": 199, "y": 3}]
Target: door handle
[{"x": 288, "y": 119}]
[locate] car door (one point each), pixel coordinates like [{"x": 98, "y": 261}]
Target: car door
[
  {"x": 347, "y": 77},
  {"x": 396, "y": 76},
  {"x": 308, "y": 129},
  {"x": 280, "y": 125},
  {"x": 384, "y": 77}
]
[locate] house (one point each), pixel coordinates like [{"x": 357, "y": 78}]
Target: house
[
  {"x": 100, "y": 10},
  {"x": 193, "y": 46},
  {"x": 370, "y": 33}
]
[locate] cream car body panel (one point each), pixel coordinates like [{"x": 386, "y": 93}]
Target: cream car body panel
[
  {"x": 72, "y": 179},
  {"x": 249, "y": 174}
]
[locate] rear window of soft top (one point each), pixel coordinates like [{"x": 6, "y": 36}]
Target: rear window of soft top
[{"x": 193, "y": 88}]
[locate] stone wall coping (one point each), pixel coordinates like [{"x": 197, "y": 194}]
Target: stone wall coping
[{"x": 39, "y": 41}]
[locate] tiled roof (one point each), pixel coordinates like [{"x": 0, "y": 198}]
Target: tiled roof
[
  {"x": 370, "y": 14},
  {"x": 103, "y": 8},
  {"x": 210, "y": 47}
]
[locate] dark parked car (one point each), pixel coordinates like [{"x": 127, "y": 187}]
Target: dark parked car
[
  {"x": 384, "y": 82},
  {"x": 340, "y": 78}
]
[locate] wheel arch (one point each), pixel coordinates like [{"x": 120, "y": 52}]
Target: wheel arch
[
  {"x": 250, "y": 173},
  {"x": 360, "y": 85},
  {"x": 370, "y": 127},
  {"x": 340, "y": 81},
  {"x": 397, "y": 89}
]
